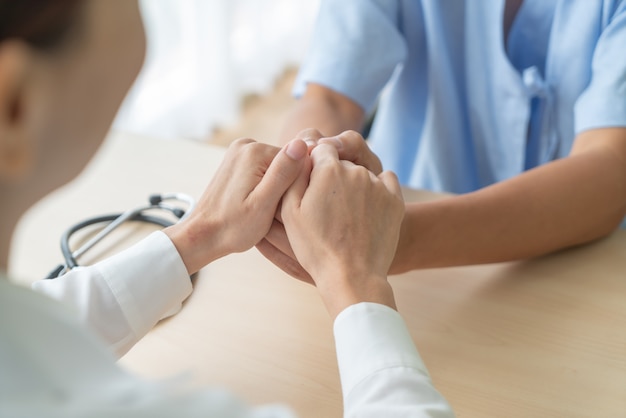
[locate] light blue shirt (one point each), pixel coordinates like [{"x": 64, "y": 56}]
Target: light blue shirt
[{"x": 459, "y": 110}]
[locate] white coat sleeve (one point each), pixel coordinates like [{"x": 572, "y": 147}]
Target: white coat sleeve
[
  {"x": 381, "y": 371},
  {"x": 123, "y": 297}
]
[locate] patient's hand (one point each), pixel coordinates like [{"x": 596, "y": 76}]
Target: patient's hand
[{"x": 238, "y": 206}]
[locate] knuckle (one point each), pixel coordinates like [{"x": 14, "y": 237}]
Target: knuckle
[
  {"x": 321, "y": 154},
  {"x": 352, "y": 138},
  {"x": 241, "y": 142},
  {"x": 351, "y": 134},
  {"x": 389, "y": 174},
  {"x": 255, "y": 150},
  {"x": 240, "y": 148},
  {"x": 309, "y": 133},
  {"x": 374, "y": 162},
  {"x": 328, "y": 164},
  {"x": 360, "y": 176},
  {"x": 361, "y": 171}
]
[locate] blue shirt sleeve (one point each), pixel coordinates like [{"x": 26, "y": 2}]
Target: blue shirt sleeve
[
  {"x": 603, "y": 103},
  {"x": 355, "y": 48}
]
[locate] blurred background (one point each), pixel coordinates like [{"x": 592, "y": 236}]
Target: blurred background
[{"x": 216, "y": 70}]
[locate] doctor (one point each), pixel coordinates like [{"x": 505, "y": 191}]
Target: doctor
[
  {"x": 65, "y": 66},
  {"x": 519, "y": 107}
]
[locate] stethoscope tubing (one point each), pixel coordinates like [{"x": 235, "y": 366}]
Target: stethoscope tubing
[{"x": 115, "y": 220}]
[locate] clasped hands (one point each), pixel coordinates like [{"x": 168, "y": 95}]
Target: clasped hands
[{"x": 319, "y": 208}]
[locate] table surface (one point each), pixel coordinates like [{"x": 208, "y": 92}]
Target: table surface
[{"x": 539, "y": 338}]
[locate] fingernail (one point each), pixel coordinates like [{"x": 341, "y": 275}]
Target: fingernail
[
  {"x": 332, "y": 141},
  {"x": 310, "y": 142},
  {"x": 296, "y": 149}
]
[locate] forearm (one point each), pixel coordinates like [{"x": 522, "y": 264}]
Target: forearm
[
  {"x": 324, "y": 110},
  {"x": 568, "y": 202}
]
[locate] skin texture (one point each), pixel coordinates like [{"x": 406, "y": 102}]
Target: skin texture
[
  {"x": 238, "y": 206},
  {"x": 326, "y": 220}
]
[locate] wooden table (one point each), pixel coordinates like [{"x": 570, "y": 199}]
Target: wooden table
[{"x": 542, "y": 338}]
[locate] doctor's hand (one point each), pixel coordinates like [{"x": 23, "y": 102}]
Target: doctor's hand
[
  {"x": 343, "y": 224},
  {"x": 238, "y": 206}
]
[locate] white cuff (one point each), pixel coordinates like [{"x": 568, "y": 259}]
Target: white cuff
[
  {"x": 371, "y": 337},
  {"x": 149, "y": 281}
]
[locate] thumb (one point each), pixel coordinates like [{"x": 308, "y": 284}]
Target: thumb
[{"x": 281, "y": 173}]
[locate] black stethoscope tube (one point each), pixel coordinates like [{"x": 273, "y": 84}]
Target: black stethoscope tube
[{"x": 113, "y": 221}]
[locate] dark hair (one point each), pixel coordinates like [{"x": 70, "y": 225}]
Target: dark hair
[{"x": 42, "y": 24}]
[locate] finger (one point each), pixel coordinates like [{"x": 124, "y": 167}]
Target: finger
[
  {"x": 324, "y": 153},
  {"x": 281, "y": 173},
  {"x": 238, "y": 143},
  {"x": 284, "y": 262},
  {"x": 243, "y": 148},
  {"x": 278, "y": 215},
  {"x": 258, "y": 155},
  {"x": 310, "y": 136},
  {"x": 311, "y": 144},
  {"x": 352, "y": 147},
  {"x": 293, "y": 196},
  {"x": 390, "y": 180},
  {"x": 277, "y": 236},
  {"x": 309, "y": 133},
  {"x": 242, "y": 168}
]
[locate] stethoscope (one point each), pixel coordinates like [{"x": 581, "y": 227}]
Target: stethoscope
[{"x": 113, "y": 221}]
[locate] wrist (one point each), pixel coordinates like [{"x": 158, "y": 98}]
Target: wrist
[
  {"x": 418, "y": 233},
  {"x": 196, "y": 244},
  {"x": 339, "y": 291},
  {"x": 402, "y": 259}
]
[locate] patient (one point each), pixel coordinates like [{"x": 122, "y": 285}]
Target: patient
[{"x": 65, "y": 66}]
